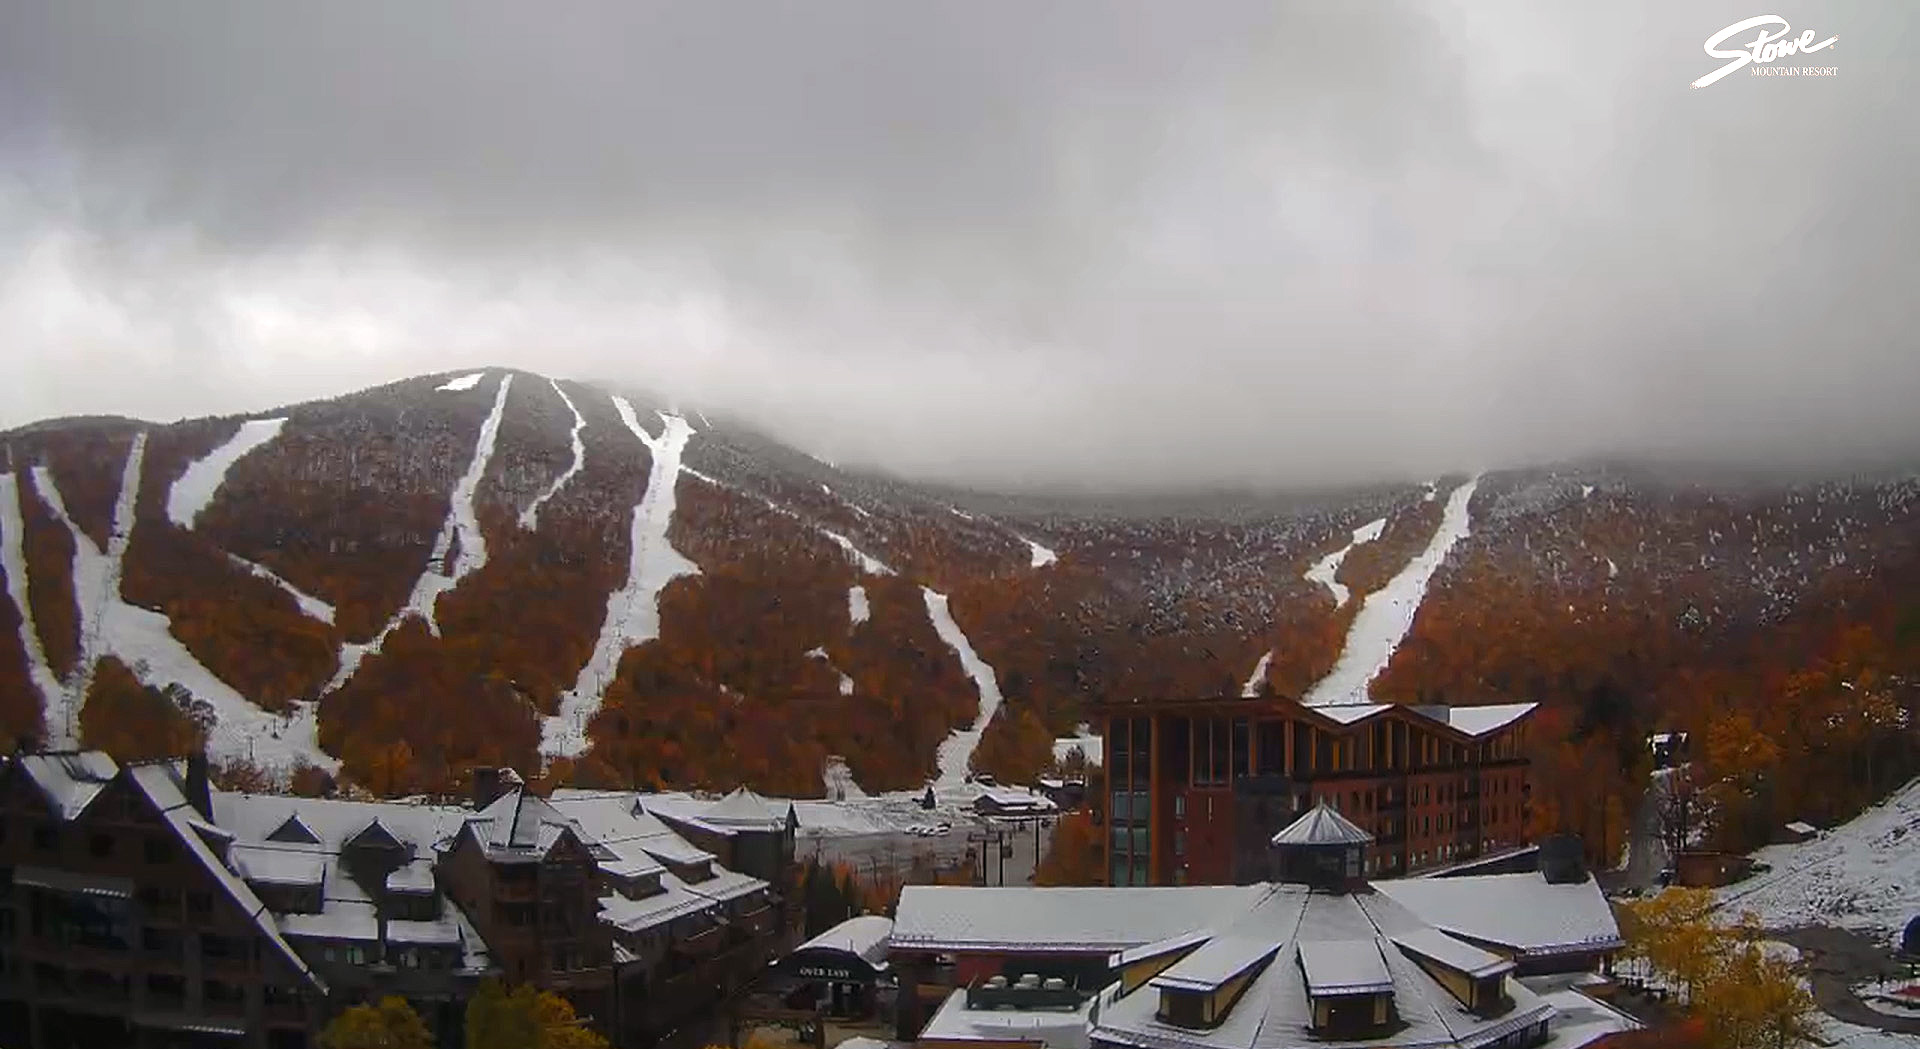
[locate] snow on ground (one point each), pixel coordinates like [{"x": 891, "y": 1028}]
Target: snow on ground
[
  {"x": 13, "y": 558},
  {"x": 1578, "y": 1020},
  {"x": 1324, "y": 570},
  {"x": 867, "y": 562},
  {"x": 463, "y": 526},
  {"x": 1613, "y": 570},
  {"x": 1042, "y": 557},
  {"x": 858, "y": 611},
  {"x": 1388, "y": 612},
  {"x": 956, "y": 751},
  {"x": 839, "y": 781},
  {"x": 633, "y": 611},
  {"x": 141, "y": 639},
  {"x": 530, "y": 517},
  {"x": 204, "y": 476},
  {"x": 1433, "y": 492},
  {"x": 1092, "y": 746},
  {"x": 1259, "y": 676},
  {"x": 1838, "y": 1035},
  {"x": 1586, "y": 490},
  {"x": 461, "y": 384},
  {"x": 310, "y": 606},
  {"x": 1864, "y": 874},
  {"x": 846, "y": 683}
]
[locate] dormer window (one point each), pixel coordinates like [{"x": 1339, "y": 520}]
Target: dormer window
[
  {"x": 1183, "y": 1008},
  {"x": 1349, "y": 986}
]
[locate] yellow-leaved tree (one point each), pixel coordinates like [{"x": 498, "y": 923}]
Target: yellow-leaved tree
[
  {"x": 389, "y": 1024},
  {"x": 525, "y": 1018},
  {"x": 1742, "y": 996}
]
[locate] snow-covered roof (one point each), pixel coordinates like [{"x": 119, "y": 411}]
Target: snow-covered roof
[
  {"x": 278, "y": 866},
  {"x": 1521, "y": 912},
  {"x": 1349, "y": 713},
  {"x": 1322, "y": 825},
  {"x": 1479, "y": 720},
  {"x": 1799, "y": 827},
  {"x": 1014, "y": 798},
  {"x": 1069, "y": 920},
  {"x": 1453, "y": 953},
  {"x": 70, "y": 781},
  {"x": 1337, "y": 967},
  {"x": 1055, "y": 1028},
  {"x": 745, "y": 810},
  {"x": 864, "y": 937},
  {"x": 1219, "y": 960},
  {"x": 159, "y": 783}
]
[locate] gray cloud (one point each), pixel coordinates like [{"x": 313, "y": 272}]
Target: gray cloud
[{"x": 1091, "y": 243}]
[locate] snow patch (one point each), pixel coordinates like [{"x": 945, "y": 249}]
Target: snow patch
[
  {"x": 1324, "y": 570},
  {"x": 310, "y": 606},
  {"x": 203, "y": 477},
  {"x": 462, "y": 384},
  {"x": 857, "y": 610},
  {"x": 439, "y": 577},
  {"x": 1586, "y": 490},
  {"x": 633, "y": 611},
  {"x": 1259, "y": 676},
  {"x": 13, "y": 559},
  {"x": 1042, "y": 557},
  {"x": 1613, "y": 570},
  {"x": 867, "y": 562},
  {"x": 1388, "y": 613},
  {"x": 530, "y": 517},
  {"x": 846, "y": 683},
  {"x": 956, "y": 751}
]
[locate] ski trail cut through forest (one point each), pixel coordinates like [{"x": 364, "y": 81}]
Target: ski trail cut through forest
[
  {"x": 1388, "y": 613},
  {"x": 143, "y": 640},
  {"x": 1324, "y": 570},
  {"x": 1042, "y": 556},
  {"x": 13, "y": 559},
  {"x": 633, "y": 611},
  {"x": 201, "y": 481},
  {"x": 310, "y": 606},
  {"x": 956, "y": 751},
  {"x": 530, "y": 517},
  {"x": 438, "y": 577}
]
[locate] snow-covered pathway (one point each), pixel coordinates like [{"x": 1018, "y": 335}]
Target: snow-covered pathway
[
  {"x": 956, "y": 751},
  {"x": 462, "y": 527},
  {"x": 142, "y": 640},
  {"x": 530, "y": 517},
  {"x": 1388, "y": 613},
  {"x": 1324, "y": 570},
  {"x": 633, "y": 611},
  {"x": 197, "y": 485},
  {"x": 13, "y": 558}
]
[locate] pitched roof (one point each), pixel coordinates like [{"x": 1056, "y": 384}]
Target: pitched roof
[
  {"x": 1322, "y": 825},
  {"x": 70, "y": 781},
  {"x": 1480, "y": 720},
  {"x": 1336, "y": 967},
  {"x": 745, "y": 810},
  {"x": 1068, "y": 920},
  {"x": 1520, "y": 912}
]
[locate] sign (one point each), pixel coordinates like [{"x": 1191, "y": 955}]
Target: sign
[{"x": 1768, "y": 46}]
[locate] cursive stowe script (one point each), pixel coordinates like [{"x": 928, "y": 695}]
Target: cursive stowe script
[{"x": 1766, "y": 47}]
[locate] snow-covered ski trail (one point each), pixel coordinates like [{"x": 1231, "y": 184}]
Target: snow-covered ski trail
[
  {"x": 1258, "y": 678},
  {"x": 858, "y": 611},
  {"x": 142, "y": 640},
  {"x": 1324, "y": 570},
  {"x": 461, "y": 384},
  {"x": 310, "y": 606},
  {"x": 633, "y": 611},
  {"x": 202, "y": 479},
  {"x": 956, "y": 751},
  {"x": 1387, "y": 615},
  {"x": 13, "y": 558},
  {"x": 530, "y": 517},
  {"x": 1042, "y": 556},
  {"x": 462, "y": 526},
  {"x": 846, "y": 683}
]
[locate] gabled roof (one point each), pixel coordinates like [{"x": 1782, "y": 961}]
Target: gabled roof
[
  {"x": 1065, "y": 920},
  {"x": 69, "y": 781},
  {"x": 293, "y": 829},
  {"x": 1478, "y": 721},
  {"x": 1322, "y": 825},
  {"x": 745, "y": 810},
  {"x": 374, "y": 836},
  {"x": 1524, "y": 912}
]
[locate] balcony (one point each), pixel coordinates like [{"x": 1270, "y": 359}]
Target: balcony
[{"x": 703, "y": 944}]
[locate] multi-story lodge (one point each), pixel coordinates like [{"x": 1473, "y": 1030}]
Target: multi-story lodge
[
  {"x": 139, "y": 906},
  {"x": 1196, "y": 786}
]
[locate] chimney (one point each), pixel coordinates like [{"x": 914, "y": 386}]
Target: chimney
[
  {"x": 1563, "y": 859},
  {"x": 199, "y": 793},
  {"x": 487, "y": 785}
]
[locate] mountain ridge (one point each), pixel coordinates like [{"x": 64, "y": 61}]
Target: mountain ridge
[{"x": 356, "y": 502}]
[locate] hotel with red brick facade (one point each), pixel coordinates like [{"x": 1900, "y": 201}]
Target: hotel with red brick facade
[{"x": 1197, "y": 787}]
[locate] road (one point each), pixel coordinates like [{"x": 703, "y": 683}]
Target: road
[{"x": 1836, "y": 960}]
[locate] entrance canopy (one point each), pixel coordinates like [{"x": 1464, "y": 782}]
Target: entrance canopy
[{"x": 854, "y": 951}]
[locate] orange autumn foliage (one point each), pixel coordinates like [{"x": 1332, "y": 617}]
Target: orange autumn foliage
[{"x": 134, "y": 722}]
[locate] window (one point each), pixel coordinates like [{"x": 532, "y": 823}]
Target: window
[
  {"x": 1179, "y": 843},
  {"x": 1179, "y": 806},
  {"x": 158, "y": 850},
  {"x": 199, "y": 904},
  {"x": 100, "y": 845}
]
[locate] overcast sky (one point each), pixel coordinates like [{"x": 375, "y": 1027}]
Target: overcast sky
[{"x": 996, "y": 242}]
